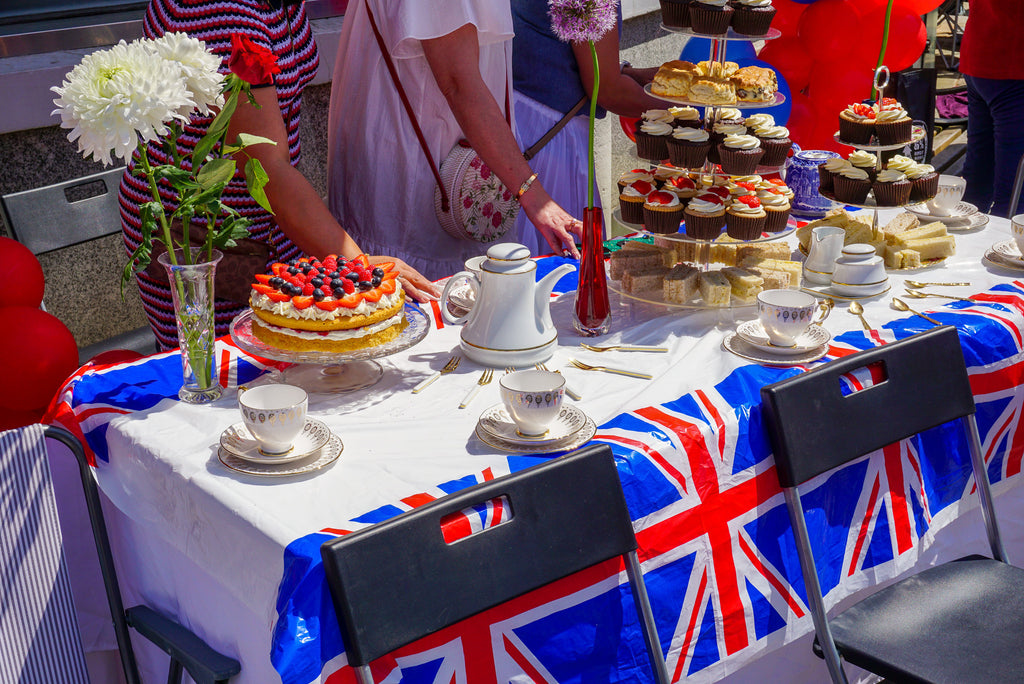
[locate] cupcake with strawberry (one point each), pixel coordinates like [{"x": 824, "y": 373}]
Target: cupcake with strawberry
[
  {"x": 631, "y": 201},
  {"x": 682, "y": 187},
  {"x": 892, "y": 123},
  {"x": 662, "y": 212},
  {"x": 776, "y": 207},
  {"x": 857, "y": 124},
  {"x": 705, "y": 216},
  {"x": 745, "y": 218}
]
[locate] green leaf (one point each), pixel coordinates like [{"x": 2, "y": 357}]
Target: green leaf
[
  {"x": 216, "y": 171},
  {"x": 256, "y": 179},
  {"x": 217, "y": 129}
]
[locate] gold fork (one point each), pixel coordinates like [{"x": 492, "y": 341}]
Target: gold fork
[
  {"x": 452, "y": 364},
  {"x": 484, "y": 379},
  {"x": 568, "y": 390},
  {"x": 606, "y": 369},
  {"x": 625, "y": 347}
]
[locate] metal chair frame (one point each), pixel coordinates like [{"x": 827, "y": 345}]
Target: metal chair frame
[{"x": 398, "y": 581}]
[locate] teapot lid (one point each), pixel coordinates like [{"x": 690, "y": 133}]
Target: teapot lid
[{"x": 506, "y": 257}]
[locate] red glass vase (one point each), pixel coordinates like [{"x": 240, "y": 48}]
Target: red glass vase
[{"x": 592, "y": 311}]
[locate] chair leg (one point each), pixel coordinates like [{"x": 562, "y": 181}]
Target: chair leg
[{"x": 174, "y": 672}]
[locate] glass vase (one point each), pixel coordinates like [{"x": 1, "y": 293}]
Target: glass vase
[
  {"x": 192, "y": 292},
  {"x": 591, "y": 310}
]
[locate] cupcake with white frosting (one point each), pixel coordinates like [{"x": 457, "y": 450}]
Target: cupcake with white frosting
[
  {"x": 745, "y": 218},
  {"x": 752, "y": 17},
  {"x": 710, "y": 17},
  {"x": 651, "y": 139},
  {"x": 776, "y": 207},
  {"x": 740, "y": 154},
  {"x": 631, "y": 201},
  {"x": 775, "y": 142},
  {"x": 865, "y": 161},
  {"x": 828, "y": 170},
  {"x": 688, "y": 147},
  {"x": 705, "y": 216},
  {"x": 891, "y": 188},
  {"x": 924, "y": 182},
  {"x": 686, "y": 116},
  {"x": 852, "y": 185},
  {"x": 893, "y": 125}
]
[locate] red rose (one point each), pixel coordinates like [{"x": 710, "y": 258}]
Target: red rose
[{"x": 252, "y": 62}]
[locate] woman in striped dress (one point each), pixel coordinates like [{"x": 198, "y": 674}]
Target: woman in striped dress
[{"x": 301, "y": 222}]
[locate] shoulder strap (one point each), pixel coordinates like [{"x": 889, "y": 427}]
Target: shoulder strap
[{"x": 553, "y": 131}]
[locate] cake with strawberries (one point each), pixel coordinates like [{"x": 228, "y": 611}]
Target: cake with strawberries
[{"x": 333, "y": 305}]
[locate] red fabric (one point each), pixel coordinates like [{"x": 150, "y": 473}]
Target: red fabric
[{"x": 992, "y": 45}]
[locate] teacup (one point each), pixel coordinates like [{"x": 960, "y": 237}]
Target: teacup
[
  {"x": 1017, "y": 225},
  {"x": 533, "y": 398},
  {"x": 951, "y": 191},
  {"x": 785, "y": 315},
  {"x": 274, "y": 415}
]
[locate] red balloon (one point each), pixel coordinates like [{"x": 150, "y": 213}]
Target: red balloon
[
  {"x": 39, "y": 354},
  {"x": 787, "y": 16},
  {"x": 21, "y": 275},
  {"x": 14, "y": 418},
  {"x": 801, "y": 121},
  {"x": 790, "y": 59},
  {"x": 829, "y": 28},
  {"x": 907, "y": 37},
  {"x": 834, "y": 85},
  {"x": 919, "y": 7}
]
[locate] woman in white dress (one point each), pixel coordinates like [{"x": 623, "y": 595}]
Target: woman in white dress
[{"x": 453, "y": 58}]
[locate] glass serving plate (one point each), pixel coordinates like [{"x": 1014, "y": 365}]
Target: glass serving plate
[
  {"x": 329, "y": 372},
  {"x": 774, "y": 102},
  {"x": 918, "y": 134},
  {"x": 729, "y": 34}
]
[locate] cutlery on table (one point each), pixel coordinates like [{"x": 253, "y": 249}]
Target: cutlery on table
[
  {"x": 452, "y": 364},
  {"x": 568, "y": 390},
  {"x": 903, "y": 306},
  {"x": 606, "y": 369},
  {"x": 915, "y": 284},
  {"x": 922, "y": 295},
  {"x": 858, "y": 310},
  {"x": 484, "y": 379},
  {"x": 625, "y": 347}
]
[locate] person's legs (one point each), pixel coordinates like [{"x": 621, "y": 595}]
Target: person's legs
[
  {"x": 980, "y": 160},
  {"x": 1005, "y": 105}
]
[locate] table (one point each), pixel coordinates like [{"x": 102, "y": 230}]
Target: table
[{"x": 236, "y": 558}]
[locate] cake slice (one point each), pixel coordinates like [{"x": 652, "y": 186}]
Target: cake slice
[
  {"x": 933, "y": 247},
  {"x": 626, "y": 260},
  {"x": 901, "y": 224},
  {"x": 644, "y": 282},
  {"x": 668, "y": 254},
  {"x": 745, "y": 284},
  {"x": 793, "y": 268},
  {"x": 773, "y": 280},
  {"x": 681, "y": 283},
  {"x": 766, "y": 250},
  {"x": 930, "y": 230},
  {"x": 714, "y": 288}
]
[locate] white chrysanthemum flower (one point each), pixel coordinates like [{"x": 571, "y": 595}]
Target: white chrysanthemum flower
[
  {"x": 117, "y": 96},
  {"x": 199, "y": 67}
]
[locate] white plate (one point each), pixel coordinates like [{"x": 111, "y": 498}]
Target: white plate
[
  {"x": 843, "y": 293},
  {"x": 1009, "y": 253},
  {"x": 738, "y": 346},
  {"x": 753, "y": 333},
  {"x": 238, "y": 441},
  {"x": 961, "y": 213},
  {"x": 1001, "y": 262},
  {"x": 497, "y": 423},
  {"x": 581, "y": 437},
  {"x": 324, "y": 457}
]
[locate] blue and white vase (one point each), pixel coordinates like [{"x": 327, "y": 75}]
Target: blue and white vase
[{"x": 802, "y": 178}]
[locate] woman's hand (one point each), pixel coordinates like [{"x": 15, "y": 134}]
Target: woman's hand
[
  {"x": 554, "y": 223},
  {"x": 414, "y": 284}
]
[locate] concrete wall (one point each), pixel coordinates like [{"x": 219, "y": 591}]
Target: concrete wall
[{"x": 81, "y": 281}]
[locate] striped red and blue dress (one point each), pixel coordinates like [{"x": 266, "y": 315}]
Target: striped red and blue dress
[{"x": 287, "y": 34}]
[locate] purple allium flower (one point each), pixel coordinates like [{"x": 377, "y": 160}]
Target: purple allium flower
[{"x": 580, "y": 21}]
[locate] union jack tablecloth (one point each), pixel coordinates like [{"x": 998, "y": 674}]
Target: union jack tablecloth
[{"x": 716, "y": 545}]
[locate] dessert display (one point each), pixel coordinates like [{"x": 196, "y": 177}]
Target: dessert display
[
  {"x": 883, "y": 123},
  {"x": 332, "y": 305},
  {"x": 856, "y": 179}
]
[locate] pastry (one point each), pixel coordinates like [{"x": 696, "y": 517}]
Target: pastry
[
  {"x": 893, "y": 125},
  {"x": 680, "y": 284},
  {"x": 675, "y": 13},
  {"x": 857, "y": 124},
  {"x": 827, "y": 172},
  {"x": 662, "y": 212},
  {"x": 705, "y": 216},
  {"x": 752, "y": 17},
  {"x": 712, "y": 91},
  {"x": 777, "y": 207},
  {"x": 745, "y": 218},
  {"x": 631, "y": 201},
  {"x": 852, "y": 185},
  {"x": 891, "y": 188},
  {"x": 755, "y": 84},
  {"x": 331, "y": 305},
  {"x": 717, "y": 69},
  {"x": 739, "y": 154},
  {"x": 924, "y": 182},
  {"x": 775, "y": 142},
  {"x": 650, "y": 140},
  {"x": 674, "y": 78},
  {"x": 688, "y": 147},
  {"x": 714, "y": 288}
]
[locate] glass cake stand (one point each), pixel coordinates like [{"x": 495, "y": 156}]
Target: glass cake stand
[{"x": 332, "y": 372}]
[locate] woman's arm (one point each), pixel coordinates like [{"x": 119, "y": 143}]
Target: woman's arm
[
  {"x": 454, "y": 60},
  {"x": 619, "y": 92},
  {"x": 298, "y": 209}
]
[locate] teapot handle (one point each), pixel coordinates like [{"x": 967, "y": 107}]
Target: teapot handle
[{"x": 473, "y": 284}]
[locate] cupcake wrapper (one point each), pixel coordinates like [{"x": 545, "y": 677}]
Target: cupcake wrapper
[
  {"x": 893, "y": 132},
  {"x": 632, "y": 212},
  {"x": 675, "y": 13},
  {"x": 924, "y": 188},
  {"x": 855, "y": 132},
  {"x": 775, "y": 151},
  {"x": 891, "y": 194},
  {"x": 651, "y": 147},
  {"x": 825, "y": 179},
  {"x": 739, "y": 162},
  {"x": 663, "y": 221},
  {"x": 688, "y": 155},
  {"x": 744, "y": 227},
  {"x": 710, "y": 20},
  {"x": 703, "y": 226},
  {"x": 850, "y": 190},
  {"x": 752, "y": 22},
  {"x": 776, "y": 220}
]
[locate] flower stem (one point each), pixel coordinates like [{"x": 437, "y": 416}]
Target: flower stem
[
  {"x": 154, "y": 192},
  {"x": 875, "y": 95},
  {"x": 590, "y": 132}
]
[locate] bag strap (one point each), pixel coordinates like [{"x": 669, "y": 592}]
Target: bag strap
[{"x": 553, "y": 131}]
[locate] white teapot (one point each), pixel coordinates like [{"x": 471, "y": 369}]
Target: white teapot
[{"x": 510, "y": 323}]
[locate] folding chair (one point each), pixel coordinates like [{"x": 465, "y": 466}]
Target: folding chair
[
  {"x": 38, "y": 626},
  {"x": 399, "y": 580},
  {"x": 962, "y": 621}
]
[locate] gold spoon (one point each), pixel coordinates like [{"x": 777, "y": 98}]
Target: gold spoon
[
  {"x": 922, "y": 295},
  {"x": 857, "y": 310},
  {"x": 903, "y": 306},
  {"x": 914, "y": 284}
]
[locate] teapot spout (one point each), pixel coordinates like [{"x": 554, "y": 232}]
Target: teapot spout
[{"x": 542, "y": 295}]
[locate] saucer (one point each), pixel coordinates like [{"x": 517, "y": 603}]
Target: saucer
[
  {"x": 574, "y": 441},
  {"x": 324, "y": 457},
  {"x": 1008, "y": 252},
  {"x": 854, "y": 291},
  {"x": 238, "y": 441},
  {"x": 1002, "y": 262},
  {"x": 497, "y": 423},
  {"x": 752, "y": 332},
  {"x": 741, "y": 348},
  {"x": 962, "y": 211}
]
